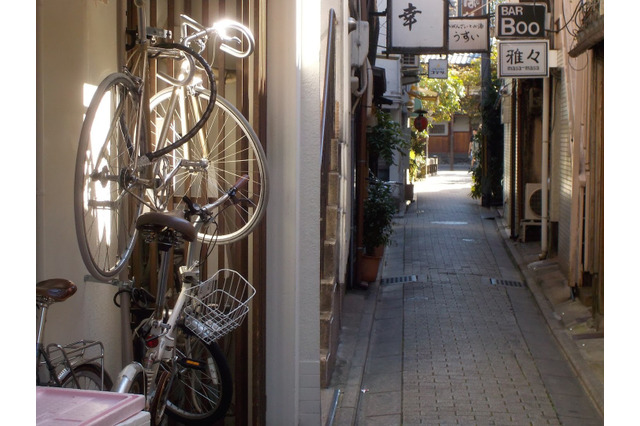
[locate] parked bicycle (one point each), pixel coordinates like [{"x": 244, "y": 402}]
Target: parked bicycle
[
  {"x": 135, "y": 152},
  {"x": 181, "y": 369},
  {"x": 137, "y": 159},
  {"x": 77, "y": 365}
]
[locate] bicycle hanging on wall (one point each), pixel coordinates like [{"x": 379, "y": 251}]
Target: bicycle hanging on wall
[{"x": 185, "y": 169}]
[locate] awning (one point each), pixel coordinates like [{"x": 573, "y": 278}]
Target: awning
[{"x": 588, "y": 36}]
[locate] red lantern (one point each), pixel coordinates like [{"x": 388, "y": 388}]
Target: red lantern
[{"x": 420, "y": 122}]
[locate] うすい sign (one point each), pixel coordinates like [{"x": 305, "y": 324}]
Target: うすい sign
[
  {"x": 417, "y": 26},
  {"x": 469, "y": 35}
]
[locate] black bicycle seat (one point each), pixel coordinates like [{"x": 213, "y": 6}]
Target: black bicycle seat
[{"x": 159, "y": 221}]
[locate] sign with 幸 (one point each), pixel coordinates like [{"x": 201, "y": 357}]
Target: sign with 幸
[
  {"x": 523, "y": 59},
  {"x": 438, "y": 68},
  {"x": 519, "y": 20},
  {"x": 469, "y": 35},
  {"x": 417, "y": 26}
]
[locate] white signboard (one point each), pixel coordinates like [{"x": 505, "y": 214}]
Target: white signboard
[
  {"x": 417, "y": 26},
  {"x": 469, "y": 35},
  {"x": 523, "y": 59},
  {"x": 438, "y": 68}
]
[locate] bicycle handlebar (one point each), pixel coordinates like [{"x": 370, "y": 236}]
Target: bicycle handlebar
[
  {"x": 207, "y": 209},
  {"x": 221, "y": 30}
]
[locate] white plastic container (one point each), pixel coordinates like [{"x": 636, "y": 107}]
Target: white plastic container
[{"x": 60, "y": 407}]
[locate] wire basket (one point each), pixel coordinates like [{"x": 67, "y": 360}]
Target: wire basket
[{"x": 218, "y": 305}]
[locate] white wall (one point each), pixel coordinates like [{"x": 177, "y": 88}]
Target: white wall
[
  {"x": 75, "y": 45},
  {"x": 293, "y": 249}
]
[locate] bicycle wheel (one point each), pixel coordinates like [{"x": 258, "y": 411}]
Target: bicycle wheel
[
  {"x": 202, "y": 388},
  {"x": 158, "y": 402},
  {"x": 208, "y": 166},
  {"x": 88, "y": 377},
  {"x": 107, "y": 189}
]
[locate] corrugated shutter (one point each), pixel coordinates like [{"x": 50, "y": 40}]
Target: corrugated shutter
[{"x": 562, "y": 187}]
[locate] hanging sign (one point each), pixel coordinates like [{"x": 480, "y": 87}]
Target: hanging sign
[
  {"x": 471, "y": 7},
  {"x": 417, "y": 26},
  {"x": 520, "y": 20},
  {"x": 469, "y": 35},
  {"x": 438, "y": 68},
  {"x": 523, "y": 59}
]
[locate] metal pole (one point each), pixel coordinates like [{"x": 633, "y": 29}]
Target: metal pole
[{"x": 545, "y": 169}]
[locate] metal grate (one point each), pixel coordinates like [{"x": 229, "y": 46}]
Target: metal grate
[
  {"x": 396, "y": 280},
  {"x": 508, "y": 283}
]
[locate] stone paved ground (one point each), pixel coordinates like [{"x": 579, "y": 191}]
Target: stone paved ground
[{"x": 459, "y": 339}]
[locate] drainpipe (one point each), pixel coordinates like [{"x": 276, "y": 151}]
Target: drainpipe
[{"x": 545, "y": 169}]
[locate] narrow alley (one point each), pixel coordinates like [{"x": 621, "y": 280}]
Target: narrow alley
[{"x": 452, "y": 333}]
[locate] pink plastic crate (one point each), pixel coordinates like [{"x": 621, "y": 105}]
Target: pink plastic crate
[{"x": 59, "y": 406}]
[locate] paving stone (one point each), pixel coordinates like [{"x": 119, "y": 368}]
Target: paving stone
[{"x": 455, "y": 347}]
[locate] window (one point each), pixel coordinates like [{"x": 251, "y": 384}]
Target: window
[{"x": 439, "y": 129}]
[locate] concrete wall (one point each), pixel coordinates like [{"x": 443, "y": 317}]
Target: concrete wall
[
  {"x": 76, "y": 45},
  {"x": 293, "y": 84}
]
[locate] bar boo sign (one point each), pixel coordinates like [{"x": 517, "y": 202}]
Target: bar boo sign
[{"x": 519, "y": 20}]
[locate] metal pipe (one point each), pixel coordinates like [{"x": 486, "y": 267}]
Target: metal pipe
[
  {"x": 544, "y": 231},
  {"x": 328, "y": 65},
  {"x": 334, "y": 407}
]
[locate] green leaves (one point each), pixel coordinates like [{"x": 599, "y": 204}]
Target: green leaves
[
  {"x": 379, "y": 208},
  {"x": 386, "y": 137}
]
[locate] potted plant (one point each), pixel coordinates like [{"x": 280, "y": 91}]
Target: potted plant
[
  {"x": 379, "y": 208},
  {"x": 385, "y": 138}
]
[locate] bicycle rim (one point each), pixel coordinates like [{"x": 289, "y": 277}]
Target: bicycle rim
[
  {"x": 88, "y": 378},
  {"x": 107, "y": 192},
  {"x": 224, "y": 150},
  {"x": 202, "y": 387}
]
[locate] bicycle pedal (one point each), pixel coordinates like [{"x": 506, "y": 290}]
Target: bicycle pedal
[{"x": 192, "y": 363}]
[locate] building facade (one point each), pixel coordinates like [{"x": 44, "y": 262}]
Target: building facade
[{"x": 554, "y": 151}]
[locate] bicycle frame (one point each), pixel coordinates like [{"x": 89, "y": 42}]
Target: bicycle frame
[{"x": 138, "y": 68}]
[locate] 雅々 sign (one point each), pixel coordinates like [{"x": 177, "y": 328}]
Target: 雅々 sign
[
  {"x": 417, "y": 26},
  {"x": 523, "y": 59},
  {"x": 521, "y": 20}
]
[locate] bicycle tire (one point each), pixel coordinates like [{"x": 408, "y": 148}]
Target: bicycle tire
[
  {"x": 88, "y": 376},
  {"x": 199, "y": 394},
  {"x": 107, "y": 191},
  {"x": 164, "y": 149},
  {"x": 158, "y": 402},
  {"x": 226, "y": 149}
]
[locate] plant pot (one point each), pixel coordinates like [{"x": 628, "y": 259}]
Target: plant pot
[
  {"x": 378, "y": 251},
  {"x": 369, "y": 266}
]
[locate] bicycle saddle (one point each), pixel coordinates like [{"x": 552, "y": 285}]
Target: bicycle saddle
[
  {"x": 158, "y": 221},
  {"x": 57, "y": 289}
]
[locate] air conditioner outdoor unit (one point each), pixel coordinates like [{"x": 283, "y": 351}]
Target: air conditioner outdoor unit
[{"x": 533, "y": 201}]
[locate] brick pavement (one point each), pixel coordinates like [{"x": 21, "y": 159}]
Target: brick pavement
[{"x": 461, "y": 340}]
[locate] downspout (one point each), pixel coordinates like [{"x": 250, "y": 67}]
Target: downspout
[
  {"x": 512, "y": 171},
  {"x": 125, "y": 298},
  {"x": 544, "y": 231}
]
